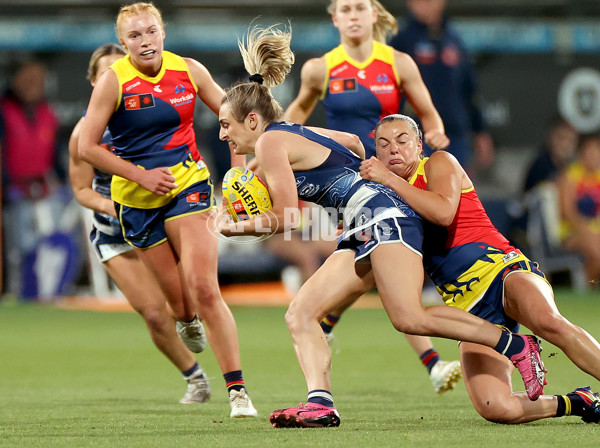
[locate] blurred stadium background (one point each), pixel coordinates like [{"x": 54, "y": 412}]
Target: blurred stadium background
[
  {"x": 524, "y": 51},
  {"x": 80, "y": 378}
]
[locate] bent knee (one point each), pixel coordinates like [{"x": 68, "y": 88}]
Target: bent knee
[
  {"x": 294, "y": 316},
  {"x": 156, "y": 319},
  {"x": 298, "y": 316},
  {"x": 409, "y": 325},
  {"x": 497, "y": 411},
  {"x": 552, "y": 327},
  {"x": 206, "y": 290}
]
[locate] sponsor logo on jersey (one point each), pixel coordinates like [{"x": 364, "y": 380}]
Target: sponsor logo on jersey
[
  {"x": 510, "y": 256},
  {"x": 386, "y": 88},
  {"x": 193, "y": 197},
  {"x": 131, "y": 86},
  {"x": 338, "y": 70},
  {"x": 157, "y": 88},
  {"x": 196, "y": 197},
  {"x": 342, "y": 85},
  {"x": 361, "y": 74},
  {"x": 135, "y": 102},
  {"x": 180, "y": 101}
]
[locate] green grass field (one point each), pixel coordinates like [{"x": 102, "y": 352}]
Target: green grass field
[{"x": 79, "y": 378}]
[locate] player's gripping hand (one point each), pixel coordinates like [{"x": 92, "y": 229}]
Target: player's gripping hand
[
  {"x": 437, "y": 140},
  {"x": 374, "y": 170},
  {"x": 159, "y": 181}
]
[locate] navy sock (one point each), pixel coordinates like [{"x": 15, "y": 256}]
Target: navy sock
[
  {"x": 329, "y": 322},
  {"x": 234, "y": 380},
  {"x": 190, "y": 371},
  {"x": 577, "y": 406},
  {"x": 563, "y": 404},
  {"x": 510, "y": 344},
  {"x": 320, "y": 396},
  {"x": 430, "y": 359}
]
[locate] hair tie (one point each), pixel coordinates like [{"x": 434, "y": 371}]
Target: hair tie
[{"x": 257, "y": 77}]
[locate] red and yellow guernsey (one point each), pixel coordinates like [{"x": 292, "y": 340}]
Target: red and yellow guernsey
[
  {"x": 152, "y": 127},
  {"x": 464, "y": 258},
  {"x": 356, "y": 95}
]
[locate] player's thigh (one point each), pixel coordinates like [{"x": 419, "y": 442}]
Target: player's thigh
[
  {"x": 337, "y": 282},
  {"x": 195, "y": 243},
  {"x": 398, "y": 272},
  {"x": 135, "y": 281},
  {"x": 529, "y": 299}
]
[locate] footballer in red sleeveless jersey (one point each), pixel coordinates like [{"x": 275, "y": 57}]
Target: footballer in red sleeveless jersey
[{"x": 357, "y": 95}]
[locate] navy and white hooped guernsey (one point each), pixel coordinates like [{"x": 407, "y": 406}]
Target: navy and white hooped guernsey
[
  {"x": 106, "y": 235},
  {"x": 372, "y": 214}
]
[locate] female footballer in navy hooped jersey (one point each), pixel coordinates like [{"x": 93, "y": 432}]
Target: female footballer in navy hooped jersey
[
  {"x": 161, "y": 186},
  {"x": 379, "y": 229},
  {"x": 359, "y": 82}
]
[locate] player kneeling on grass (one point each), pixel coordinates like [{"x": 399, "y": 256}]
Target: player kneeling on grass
[{"x": 475, "y": 268}]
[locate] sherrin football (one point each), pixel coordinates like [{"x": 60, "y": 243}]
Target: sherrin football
[{"x": 246, "y": 195}]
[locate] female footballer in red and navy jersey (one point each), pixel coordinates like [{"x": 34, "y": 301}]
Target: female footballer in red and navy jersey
[
  {"x": 161, "y": 186},
  {"x": 91, "y": 188},
  {"x": 476, "y": 269}
]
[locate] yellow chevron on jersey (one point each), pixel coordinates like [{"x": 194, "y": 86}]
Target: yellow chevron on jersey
[
  {"x": 470, "y": 287},
  {"x": 131, "y": 194},
  {"x": 419, "y": 179},
  {"x": 125, "y": 71}
]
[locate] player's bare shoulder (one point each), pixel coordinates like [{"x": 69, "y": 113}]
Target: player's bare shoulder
[
  {"x": 314, "y": 72},
  {"x": 443, "y": 158},
  {"x": 405, "y": 64},
  {"x": 402, "y": 57},
  {"x": 444, "y": 163},
  {"x": 197, "y": 69}
]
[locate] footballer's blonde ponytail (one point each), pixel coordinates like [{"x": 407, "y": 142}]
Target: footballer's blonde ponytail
[
  {"x": 267, "y": 52},
  {"x": 268, "y": 59},
  {"x": 386, "y": 25}
]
